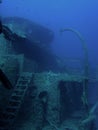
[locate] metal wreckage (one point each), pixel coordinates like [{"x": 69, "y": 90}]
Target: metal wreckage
[{"x": 37, "y": 90}]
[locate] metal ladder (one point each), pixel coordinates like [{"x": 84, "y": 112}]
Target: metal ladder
[{"x": 8, "y": 117}]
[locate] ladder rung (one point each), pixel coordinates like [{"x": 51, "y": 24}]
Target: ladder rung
[
  {"x": 14, "y": 107},
  {"x": 26, "y": 74},
  {"x": 22, "y": 86},
  {"x": 6, "y": 115},
  {"x": 18, "y": 95},
  {"x": 11, "y": 109},
  {"x": 17, "y": 92},
  {"x": 23, "y": 82},
  {"x": 24, "y": 78},
  {"x": 14, "y": 103},
  {"x": 15, "y": 98}
]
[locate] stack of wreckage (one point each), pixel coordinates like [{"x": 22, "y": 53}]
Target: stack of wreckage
[{"x": 45, "y": 96}]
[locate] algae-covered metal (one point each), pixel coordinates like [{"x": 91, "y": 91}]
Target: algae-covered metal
[{"x": 30, "y": 30}]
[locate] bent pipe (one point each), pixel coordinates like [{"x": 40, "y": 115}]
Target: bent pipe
[
  {"x": 83, "y": 46},
  {"x": 86, "y": 63}
]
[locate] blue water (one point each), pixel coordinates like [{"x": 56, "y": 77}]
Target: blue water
[
  {"x": 81, "y": 15},
  {"x": 57, "y": 14}
]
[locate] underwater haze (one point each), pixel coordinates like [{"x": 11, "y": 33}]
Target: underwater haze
[{"x": 80, "y": 15}]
